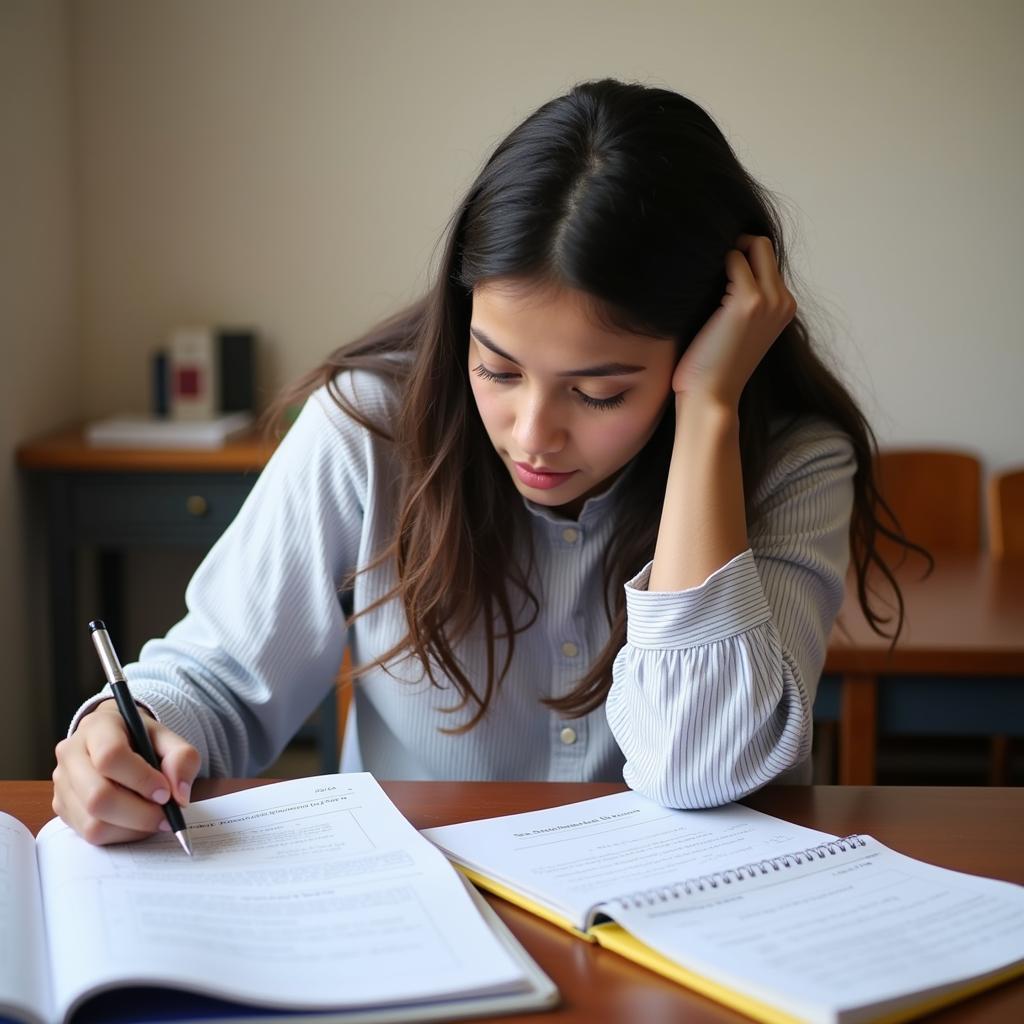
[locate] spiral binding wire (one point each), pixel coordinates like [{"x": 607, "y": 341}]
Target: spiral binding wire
[{"x": 701, "y": 883}]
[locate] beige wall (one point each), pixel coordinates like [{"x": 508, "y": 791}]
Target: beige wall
[
  {"x": 39, "y": 383},
  {"x": 292, "y": 164}
]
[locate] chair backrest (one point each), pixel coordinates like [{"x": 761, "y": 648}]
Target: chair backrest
[
  {"x": 936, "y": 496},
  {"x": 1006, "y": 514}
]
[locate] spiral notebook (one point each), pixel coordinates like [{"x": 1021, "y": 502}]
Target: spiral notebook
[{"x": 783, "y": 923}]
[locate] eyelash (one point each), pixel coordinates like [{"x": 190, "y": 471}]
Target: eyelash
[{"x": 588, "y": 400}]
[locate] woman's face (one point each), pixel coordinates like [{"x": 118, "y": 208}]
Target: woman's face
[{"x": 566, "y": 402}]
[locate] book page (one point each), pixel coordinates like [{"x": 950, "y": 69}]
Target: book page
[
  {"x": 864, "y": 928},
  {"x": 573, "y": 857},
  {"x": 314, "y": 893},
  {"x": 24, "y": 979}
]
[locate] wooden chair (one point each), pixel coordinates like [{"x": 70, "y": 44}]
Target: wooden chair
[
  {"x": 1006, "y": 540},
  {"x": 331, "y": 718},
  {"x": 1006, "y": 514},
  {"x": 936, "y": 496},
  {"x": 344, "y": 697}
]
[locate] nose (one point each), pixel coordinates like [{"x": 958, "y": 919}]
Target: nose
[{"x": 538, "y": 430}]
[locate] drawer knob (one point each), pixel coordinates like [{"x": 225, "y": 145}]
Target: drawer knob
[{"x": 197, "y": 505}]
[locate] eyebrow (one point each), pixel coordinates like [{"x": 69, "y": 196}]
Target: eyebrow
[{"x": 601, "y": 370}]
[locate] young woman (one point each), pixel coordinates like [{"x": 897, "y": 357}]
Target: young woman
[{"x": 590, "y": 501}]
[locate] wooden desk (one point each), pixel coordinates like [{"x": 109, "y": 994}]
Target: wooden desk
[
  {"x": 111, "y": 499},
  {"x": 976, "y": 830},
  {"x": 966, "y": 619}
]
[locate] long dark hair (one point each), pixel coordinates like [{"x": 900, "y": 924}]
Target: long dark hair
[{"x": 632, "y": 195}]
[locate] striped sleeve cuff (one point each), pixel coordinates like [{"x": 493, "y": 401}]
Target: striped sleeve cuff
[
  {"x": 730, "y": 601},
  {"x": 91, "y": 704}
]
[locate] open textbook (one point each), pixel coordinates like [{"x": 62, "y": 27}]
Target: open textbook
[
  {"x": 315, "y": 898},
  {"x": 778, "y": 921}
]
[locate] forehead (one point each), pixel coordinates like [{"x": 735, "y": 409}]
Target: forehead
[{"x": 527, "y": 316}]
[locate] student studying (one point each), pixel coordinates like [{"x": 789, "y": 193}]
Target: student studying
[
  {"x": 582, "y": 512},
  {"x": 593, "y": 498}
]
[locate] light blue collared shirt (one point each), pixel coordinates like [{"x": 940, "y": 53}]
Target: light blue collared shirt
[{"x": 711, "y": 695}]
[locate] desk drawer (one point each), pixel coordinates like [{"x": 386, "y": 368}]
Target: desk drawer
[{"x": 157, "y": 509}]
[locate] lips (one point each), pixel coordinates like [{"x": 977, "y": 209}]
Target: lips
[{"x": 540, "y": 478}]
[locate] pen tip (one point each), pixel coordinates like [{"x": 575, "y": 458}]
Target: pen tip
[
  {"x": 96, "y": 624},
  {"x": 182, "y": 838}
]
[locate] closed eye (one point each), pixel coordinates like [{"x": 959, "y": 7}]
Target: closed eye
[
  {"x": 601, "y": 403},
  {"x": 588, "y": 400},
  {"x": 482, "y": 371}
]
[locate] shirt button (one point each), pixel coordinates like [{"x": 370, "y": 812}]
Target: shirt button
[
  {"x": 567, "y": 735},
  {"x": 569, "y": 649},
  {"x": 570, "y": 536}
]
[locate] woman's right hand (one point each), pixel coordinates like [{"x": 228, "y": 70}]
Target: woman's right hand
[{"x": 108, "y": 793}]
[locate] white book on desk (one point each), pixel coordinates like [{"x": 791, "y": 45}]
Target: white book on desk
[
  {"x": 151, "y": 432},
  {"x": 311, "y": 900}
]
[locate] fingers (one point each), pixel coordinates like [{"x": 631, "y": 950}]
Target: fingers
[
  {"x": 179, "y": 760},
  {"x": 106, "y": 791},
  {"x": 109, "y": 752},
  {"x": 754, "y": 311},
  {"x": 760, "y": 251},
  {"x": 69, "y": 806},
  {"x": 741, "y": 278},
  {"x": 767, "y": 279}
]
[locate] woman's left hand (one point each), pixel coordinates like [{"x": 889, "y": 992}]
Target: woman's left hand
[{"x": 755, "y": 310}]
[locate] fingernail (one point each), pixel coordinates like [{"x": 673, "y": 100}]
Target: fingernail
[
  {"x": 165, "y": 826},
  {"x": 161, "y": 796},
  {"x": 184, "y": 791}
]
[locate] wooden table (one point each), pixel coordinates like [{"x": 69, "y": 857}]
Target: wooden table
[
  {"x": 68, "y": 451},
  {"x": 965, "y": 620},
  {"x": 976, "y": 830}
]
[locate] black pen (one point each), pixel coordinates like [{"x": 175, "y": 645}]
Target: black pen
[{"x": 136, "y": 730}]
